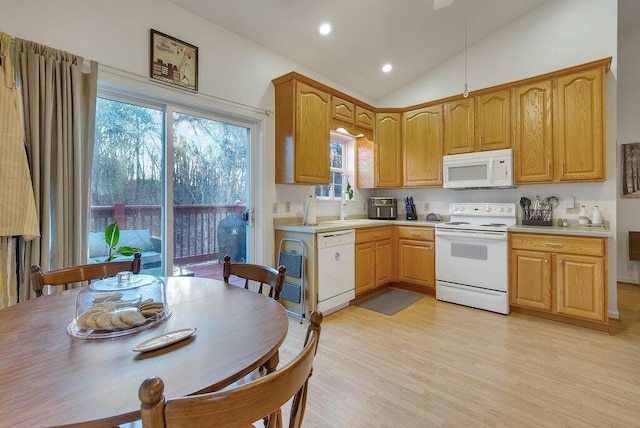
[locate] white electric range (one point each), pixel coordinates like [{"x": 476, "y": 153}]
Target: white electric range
[{"x": 472, "y": 255}]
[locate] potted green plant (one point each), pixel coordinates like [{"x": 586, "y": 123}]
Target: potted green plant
[{"x": 112, "y": 237}]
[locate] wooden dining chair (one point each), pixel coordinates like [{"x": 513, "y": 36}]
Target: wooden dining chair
[
  {"x": 265, "y": 276},
  {"x": 87, "y": 272},
  {"x": 241, "y": 406}
]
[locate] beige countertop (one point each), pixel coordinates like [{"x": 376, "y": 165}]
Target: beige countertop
[
  {"x": 573, "y": 230},
  {"x": 335, "y": 225}
]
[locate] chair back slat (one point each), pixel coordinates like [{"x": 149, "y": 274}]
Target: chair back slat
[
  {"x": 88, "y": 272},
  {"x": 265, "y": 276}
]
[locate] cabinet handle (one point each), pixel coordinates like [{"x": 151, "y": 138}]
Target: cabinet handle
[
  {"x": 430, "y": 248},
  {"x": 546, "y": 261},
  {"x": 415, "y": 233},
  {"x": 562, "y": 168},
  {"x": 378, "y": 178},
  {"x": 552, "y": 244},
  {"x": 560, "y": 262},
  {"x": 376, "y": 235},
  {"x": 439, "y": 175},
  {"x": 481, "y": 140},
  {"x": 548, "y": 168}
]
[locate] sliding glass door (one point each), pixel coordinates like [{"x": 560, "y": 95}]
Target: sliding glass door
[{"x": 198, "y": 172}]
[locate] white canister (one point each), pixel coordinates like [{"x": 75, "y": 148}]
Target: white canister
[
  {"x": 596, "y": 217},
  {"x": 583, "y": 217}
]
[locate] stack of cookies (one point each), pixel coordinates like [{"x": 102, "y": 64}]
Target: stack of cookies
[{"x": 102, "y": 316}]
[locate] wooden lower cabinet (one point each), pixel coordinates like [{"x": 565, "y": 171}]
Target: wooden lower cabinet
[
  {"x": 560, "y": 277},
  {"x": 416, "y": 256},
  {"x": 373, "y": 258}
]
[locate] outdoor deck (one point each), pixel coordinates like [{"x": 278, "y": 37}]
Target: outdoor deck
[{"x": 212, "y": 270}]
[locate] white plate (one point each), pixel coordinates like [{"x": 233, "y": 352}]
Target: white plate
[
  {"x": 111, "y": 284},
  {"x": 164, "y": 340}
]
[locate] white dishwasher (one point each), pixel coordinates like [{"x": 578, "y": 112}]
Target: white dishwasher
[{"x": 336, "y": 270}]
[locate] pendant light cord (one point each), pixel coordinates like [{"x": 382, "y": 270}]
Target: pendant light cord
[{"x": 466, "y": 92}]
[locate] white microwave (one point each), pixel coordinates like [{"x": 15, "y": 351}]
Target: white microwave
[{"x": 477, "y": 170}]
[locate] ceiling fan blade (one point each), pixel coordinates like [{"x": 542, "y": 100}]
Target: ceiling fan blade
[{"x": 439, "y": 4}]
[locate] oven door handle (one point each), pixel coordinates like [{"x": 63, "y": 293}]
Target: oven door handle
[{"x": 474, "y": 235}]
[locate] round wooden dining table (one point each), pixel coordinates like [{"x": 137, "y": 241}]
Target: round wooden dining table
[{"x": 49, "y": 378}]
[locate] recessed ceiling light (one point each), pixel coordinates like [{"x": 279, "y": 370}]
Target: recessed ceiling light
[
  {"x": 324, "y": 28},
  {"x": 387, "y": 68}
]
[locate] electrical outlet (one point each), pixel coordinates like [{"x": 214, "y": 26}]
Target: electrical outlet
[
  {"x": 275, "y": 208},
  {"x": 287, "y": 207},
  {"x": 575, "y": 209},
  {"x": 426, "y": 206}
]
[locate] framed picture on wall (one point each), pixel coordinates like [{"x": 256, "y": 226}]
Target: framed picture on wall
[
  {"x": 631, "y": 170},
  {"x": 173, "y": 61}
]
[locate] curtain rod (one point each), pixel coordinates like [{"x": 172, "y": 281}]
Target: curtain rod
[
  {"x": 87, "y": 65},
  {"x": 146, "y": 79}
]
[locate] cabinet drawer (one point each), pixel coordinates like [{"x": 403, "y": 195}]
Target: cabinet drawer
[
  {"x": 373, "y": 234},
  {"x": 416, "y": 233},
  {"x": 559, "y": 244}
]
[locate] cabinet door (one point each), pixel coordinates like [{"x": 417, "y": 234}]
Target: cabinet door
[
  {"x": 364, "y": 118},
  {"x": 580, "y": 287},
  {"x": 493, "y": 121},
  {"x": 416, "y": 262},
  {"x": 531, "y": 279},
  {"x": 459, "y": 126},
  {"x": 422, "y": 139},
  {"x": 365, "y": 260},
  {"x": 384, "y": 256},
  {"x": 342, "y": 110},
  {"x": 533, "y": 143},
  {"x": 388, "y": 150},
  {"x": 312, "y": 136},
  {"x": 580, "y": 126}
]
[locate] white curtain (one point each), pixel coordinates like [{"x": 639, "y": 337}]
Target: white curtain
[{"x": 59, "y": 112}]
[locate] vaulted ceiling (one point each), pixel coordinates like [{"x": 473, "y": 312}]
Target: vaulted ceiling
[{"x": 409, "y": 34}]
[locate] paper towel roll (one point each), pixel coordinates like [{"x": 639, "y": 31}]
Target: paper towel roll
[{"x": 310, "y": 211}]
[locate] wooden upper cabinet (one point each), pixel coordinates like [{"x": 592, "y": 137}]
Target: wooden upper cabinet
[
  {"x": 388, "y": 150},
  {"x": 365, "y": 118},
  {"x": 580, "y": 126},
  {"x": 533, "y": 139},
  {"x": 422, "y": 139},
  {"x": 302, "y": 134},
  {"x": 493, "y": 120},
  {"x": 342, "y": 110},
  {"x": 459, "y": 125}
]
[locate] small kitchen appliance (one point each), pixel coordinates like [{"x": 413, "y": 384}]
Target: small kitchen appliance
[
  {"x": 472, "y": 255},
  {"x": 382, "y": 208},
  {"x": 479, "y": 170},
  {"x": 411, "y": 208}
]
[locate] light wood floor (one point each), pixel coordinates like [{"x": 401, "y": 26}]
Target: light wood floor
[{"x": 437, "y": 364}]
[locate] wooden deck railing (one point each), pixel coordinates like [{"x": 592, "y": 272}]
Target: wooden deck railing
[{"x": 195, "y": 226}]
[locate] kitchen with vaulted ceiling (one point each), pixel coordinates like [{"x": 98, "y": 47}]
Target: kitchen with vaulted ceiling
[{"x": 553, "y": 90}]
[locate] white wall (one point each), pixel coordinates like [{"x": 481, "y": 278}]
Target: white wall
[
  {"x": 628, "y": 132},
  {"x": 558, "y": 34}
]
